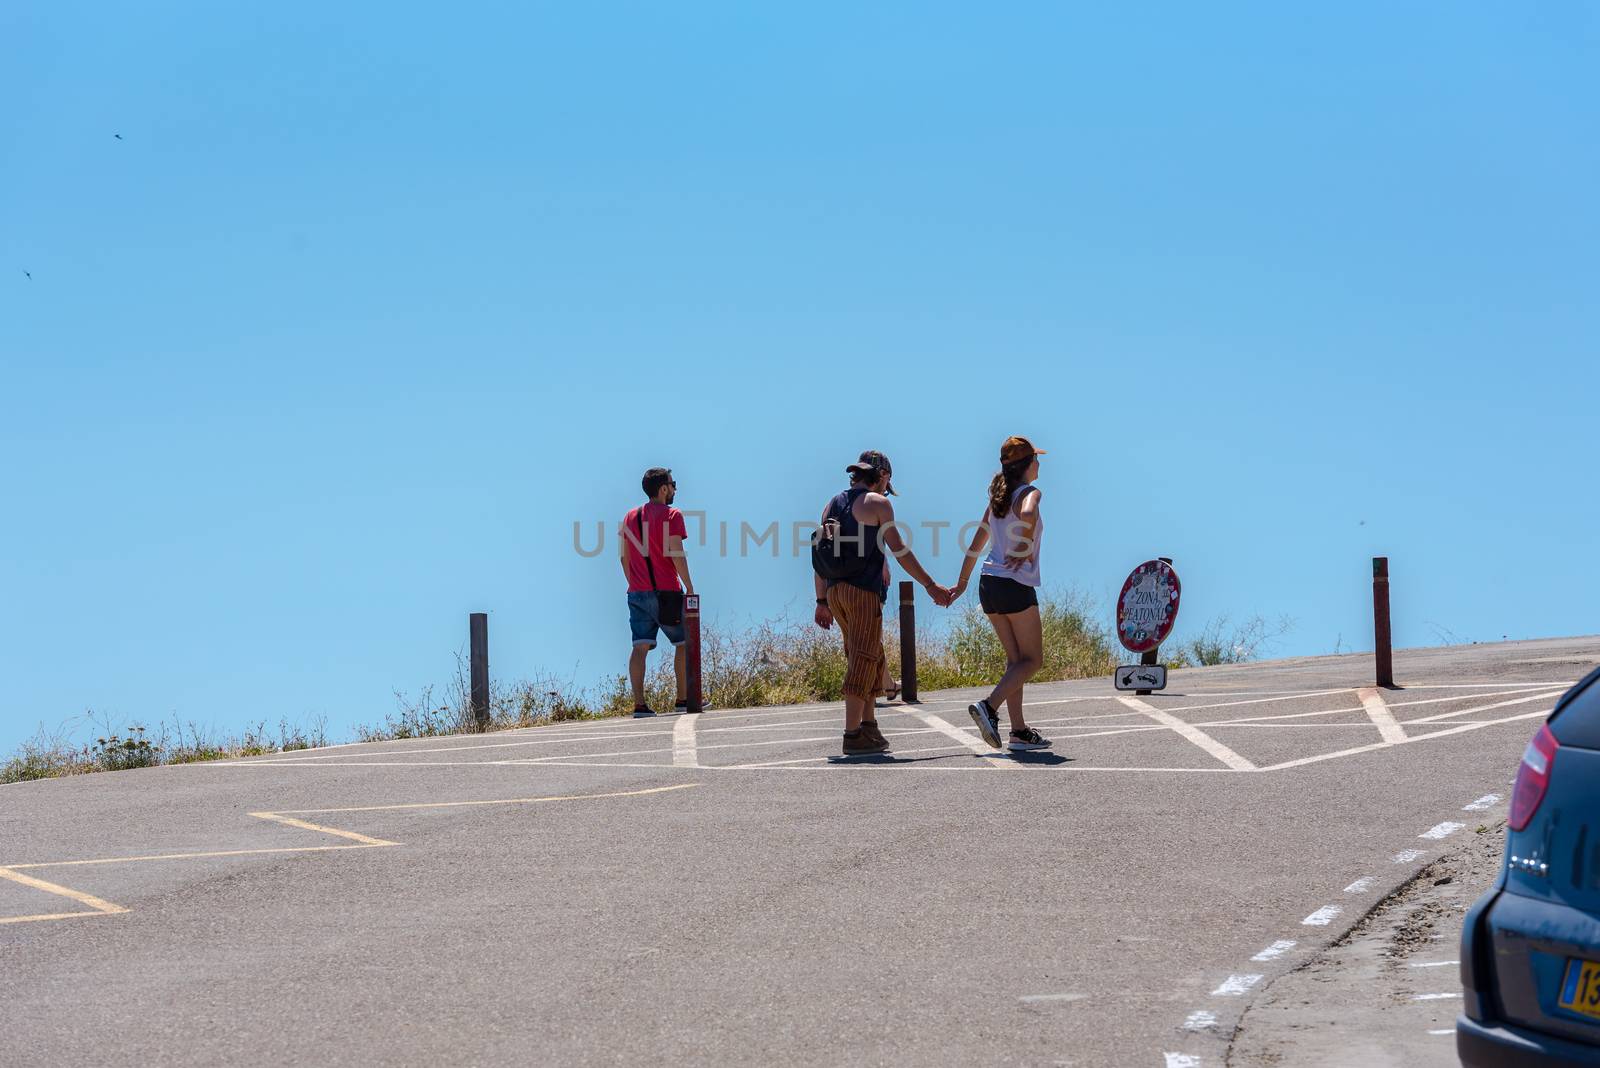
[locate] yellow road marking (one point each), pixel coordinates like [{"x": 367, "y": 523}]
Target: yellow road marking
[
  {"x": 100, "y": 907},
  {"x": 278, "y": 817},
  {"x": 506, "y": 801},
  {"x": 362, "y": 841},
  {"x": 187, "y": 856}
]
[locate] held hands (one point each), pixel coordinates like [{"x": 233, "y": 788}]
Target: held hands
[{"x": 942, "y": 595}]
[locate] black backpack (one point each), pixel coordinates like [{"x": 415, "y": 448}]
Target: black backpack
[{"x": 839, "y": 555}]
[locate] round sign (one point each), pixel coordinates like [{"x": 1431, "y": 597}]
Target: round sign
[{"x": 1148, "y": 606}]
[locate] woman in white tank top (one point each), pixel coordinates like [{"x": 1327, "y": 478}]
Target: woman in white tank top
[{"x": 1008, "y": 589}]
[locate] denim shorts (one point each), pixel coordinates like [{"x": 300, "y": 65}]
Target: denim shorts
[{"x": 644, "y": 616}]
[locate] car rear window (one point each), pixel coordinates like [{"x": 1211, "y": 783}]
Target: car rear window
[{"x": 1577, "y": 718}]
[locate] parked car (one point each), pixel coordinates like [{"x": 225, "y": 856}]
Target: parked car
[{"x": 1530, "y": 947}]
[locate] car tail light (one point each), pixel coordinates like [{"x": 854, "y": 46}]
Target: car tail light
[{"x": 1533, "y": 777}]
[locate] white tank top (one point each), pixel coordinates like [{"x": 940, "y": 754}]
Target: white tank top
[{"x": 1005, "y": 533}]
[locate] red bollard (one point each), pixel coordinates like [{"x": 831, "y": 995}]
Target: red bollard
[{"x": 691, "y": 626}]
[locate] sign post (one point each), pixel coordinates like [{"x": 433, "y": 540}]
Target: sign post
[
  {"x": 691, "y": 626},
  {"x": 1147, "y": 609}
]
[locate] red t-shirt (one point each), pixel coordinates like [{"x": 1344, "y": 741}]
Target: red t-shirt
[{"x": 660, "y": 520}]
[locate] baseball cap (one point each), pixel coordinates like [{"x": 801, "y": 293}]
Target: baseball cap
[
  {"x": 1016, "y": 449},
  {"x": 873, "y": 460}
]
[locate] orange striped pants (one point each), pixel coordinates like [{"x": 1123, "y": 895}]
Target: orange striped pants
[{"x": 859, "y": 614}]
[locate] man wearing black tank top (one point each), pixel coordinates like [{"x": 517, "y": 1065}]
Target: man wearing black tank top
[{"x": 864, "y": 512}]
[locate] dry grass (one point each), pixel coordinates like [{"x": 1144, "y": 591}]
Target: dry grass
[{"x": 773, "y": 662}]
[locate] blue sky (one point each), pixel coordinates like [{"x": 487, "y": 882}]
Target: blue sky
[{"x": 371, "y": 302}]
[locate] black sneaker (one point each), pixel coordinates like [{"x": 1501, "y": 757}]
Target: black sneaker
[
  {"x": 988, "y": 723},
  {"x": 683, "y": 706},
  {"x": 864, "y": 743},
  {"x": 1027, "y": 740},
  {"x": 643, "y": 712}
]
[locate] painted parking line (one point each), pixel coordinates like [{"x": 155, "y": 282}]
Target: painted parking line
[
  {"x": 967, "y": 738},
  {"x": 284, "y": 818},
  {"x": 1276, "y": 950},
  {"x": 683, "y": 745},
  {"x": 1191, "y": 733},
  {"x": 1548, "y": 695},
  {"x": 1378, "y": 712},
  {"x": 96, "y": 906},
  {"x": 1351, "y": 709},
  {"x": 1323, "y": 916},
  {"x": 1410, "y": 740}
]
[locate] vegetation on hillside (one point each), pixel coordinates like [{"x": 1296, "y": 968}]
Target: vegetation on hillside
[{"x": 772, "y": 662}]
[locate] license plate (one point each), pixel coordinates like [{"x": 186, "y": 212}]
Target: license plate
[{"x": 1580, "y": 990}]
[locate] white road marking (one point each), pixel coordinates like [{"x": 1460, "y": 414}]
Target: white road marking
[
  {"x": 1406, "y": 856},
  {"x": 1200, "y": 1020},
  {"x": 1443, "y": 1031},
  {"x": 1360, "y": 886},
  {"x": 1441, "y": 830},
  {"x": 1486, "y": 801},
  {"x": 1462, "y": 729},
  {"x": 1434, "y": 997},
  {"x": 1322, "y": 917},
  {"x": 1285, "y": 695},
  {"x": 1378, "y": 711},
  {"x": 1276, "y": 950},
  {"x": 1181, "y": 1060},
  {"x": 969, "y": 739},
  {"x": 1236, "y": 986},
  {"x": 683, "y": 754},
  {"x": 1192, "y": 733},
  {"x": 1491, "y": 685},
  {"x": 1433, "y": 964},
  {"x": 1452, "y": 699},
  {"x": 1050, "y": 999},
  {"x": 1546, "y": 696}
]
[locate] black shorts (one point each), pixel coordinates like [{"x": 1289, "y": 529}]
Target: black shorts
[{"x": 1003, "y": 596}]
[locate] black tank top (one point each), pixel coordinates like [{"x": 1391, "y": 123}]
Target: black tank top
[{"x": 873, "y": 562}]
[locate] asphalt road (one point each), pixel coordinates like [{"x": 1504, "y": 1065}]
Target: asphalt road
[{"x": 717, "y": 889}]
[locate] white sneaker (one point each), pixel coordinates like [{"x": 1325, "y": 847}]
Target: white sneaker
[{"x": 988, "y": 723}]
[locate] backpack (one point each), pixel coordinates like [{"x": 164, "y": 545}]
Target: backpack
[{"x": 838, "y": 555}]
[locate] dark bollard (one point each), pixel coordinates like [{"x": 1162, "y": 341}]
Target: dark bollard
[
  {"x": 478, "y": 634},
  {"x": 908, "y": 643},
  {"x": 691, "y": 656},
  {"x": 1382, "y": 652}
]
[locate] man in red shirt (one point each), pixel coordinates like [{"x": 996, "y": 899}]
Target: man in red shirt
[{"x": 651, "y": 547}]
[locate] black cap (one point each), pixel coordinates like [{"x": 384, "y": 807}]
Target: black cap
[{"x": 876, "y": 462}]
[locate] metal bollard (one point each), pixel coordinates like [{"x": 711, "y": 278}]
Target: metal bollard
[
  {"x": 1382, "y": 652},
  {"x": 478, "y": 640},
  {"x": 908, "y": 643},
  {"x": 691, "y": 626}
]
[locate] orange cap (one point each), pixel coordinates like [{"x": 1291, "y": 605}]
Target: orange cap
[{"x": 1017, "y": 449}]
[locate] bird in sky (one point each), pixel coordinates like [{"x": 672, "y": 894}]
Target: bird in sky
[
  {"x": 117, "y": 136},
  {"x": 29, "y": 274}
]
